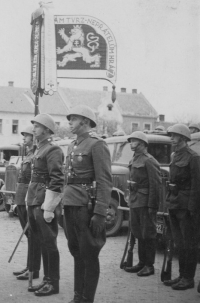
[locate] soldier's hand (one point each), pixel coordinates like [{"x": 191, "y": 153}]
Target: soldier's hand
[
  {"x": 48, "y": 216},
  {"x": 97, "y": 224}
]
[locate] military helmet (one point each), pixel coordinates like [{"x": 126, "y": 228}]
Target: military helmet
[
  {"x": 138, "y": 135},
  {"x": 160, "y": 127},
  {"x": 194, "y": 125},
  {"x": 84, "y": 111},
  {"x": 46, "y": 120},
  {"x": 180, "y": 129},
  {"x": 28, "y": 130}
]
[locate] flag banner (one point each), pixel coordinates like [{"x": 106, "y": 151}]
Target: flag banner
[
  {"x": 85, "y": 47},
  {"x": 35, "y": 53},
  {"x": 49, "y": 53},
  {"x": 43, "y": 50}
]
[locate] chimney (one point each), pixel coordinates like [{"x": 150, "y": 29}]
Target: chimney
[
  {"x": 105, "y": 88},
  {"x": 134, "y": 91},
  {"x": 123, "y": 90},
  {"x": 10, "y": 83},
  {"x": 162, "y": 118}
]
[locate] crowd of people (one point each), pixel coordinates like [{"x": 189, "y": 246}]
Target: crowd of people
[{"x": 85, "y": 189}]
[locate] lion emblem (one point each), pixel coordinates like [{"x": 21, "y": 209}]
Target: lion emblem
[{"x": 75, "y": 43}]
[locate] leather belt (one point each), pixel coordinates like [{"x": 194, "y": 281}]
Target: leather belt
[
  {"x": 38, "y": 179},
  {"x": 24, "y": 180},
  {"x": 79, "y": 180}
]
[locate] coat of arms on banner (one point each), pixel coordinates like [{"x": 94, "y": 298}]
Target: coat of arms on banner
[
  {"x": 80, "y": 42},
  {"x": 85, "y": 48}
]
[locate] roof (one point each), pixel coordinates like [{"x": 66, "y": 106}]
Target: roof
[
  {"x": 130, "y": 104},
  {"x": 20, "y": 100}
]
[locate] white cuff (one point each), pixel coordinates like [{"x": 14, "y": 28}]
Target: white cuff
[{"x": 52, "y": 199}]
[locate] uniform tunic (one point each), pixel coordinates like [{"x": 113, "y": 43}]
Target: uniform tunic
[
  {"x": 145, "y": 170},
  {"x": 24, "y": 179},
  {"x": 89, "y": 158},
  {"x": 185, "y": 174}
]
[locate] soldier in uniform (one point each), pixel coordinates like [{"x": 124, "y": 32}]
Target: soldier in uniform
[
  {"x": 22, "y": 187},
  {"x": 88, "y": 167},
  {"x": 44, "y": 194},
  {"x": 194, "y": 128},
  {"x": 145, "y": 182},
  {"x": 183, "y": 201}
]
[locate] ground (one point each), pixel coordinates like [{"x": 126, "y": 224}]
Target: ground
[{"x": 115, "y": 285}]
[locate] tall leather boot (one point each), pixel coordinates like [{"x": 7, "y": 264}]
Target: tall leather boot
[
  {"x": 79, "y": 271},
  {"x": 92, "y": 270},
  {"x": 150, "y": 248},
  {"x": 141, "y": 251}
]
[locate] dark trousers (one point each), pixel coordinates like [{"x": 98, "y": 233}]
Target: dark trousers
[
  {"x": 143, "y": 227},
  {"x": 184, "y": 231},
  {"x": 84, "y": 248},
  {"x": 36, "y": 249},
  {"x": 46, "y": 234}
]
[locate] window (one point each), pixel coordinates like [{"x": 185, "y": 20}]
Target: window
[
  {"x": 161, "y": 152},
  {"x": 134, "y": 126},
  {"x": 1, "y": 122},
  {"x": 15, "y": 126},
  {"x": 147, "y": 126}
]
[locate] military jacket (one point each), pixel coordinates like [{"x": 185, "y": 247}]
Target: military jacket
[
  {"x": 24, "y": 179},
  {"x": 89, "y": 157},
  {"x": 46, "y": 172},
  {"x": 185, "y": 174},
  {"x": 145, "y": 171}
]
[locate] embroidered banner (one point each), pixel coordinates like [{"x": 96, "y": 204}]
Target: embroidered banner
[
  {"x": 85, "y": 47},
  {"x": 43, "y": 50},
  {"x": 35, "y": 53}
]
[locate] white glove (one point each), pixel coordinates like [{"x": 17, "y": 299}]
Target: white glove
[{"x": 48, "y": 216}]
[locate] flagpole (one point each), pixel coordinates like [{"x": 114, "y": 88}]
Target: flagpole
[{"x": 37, "y": 102}]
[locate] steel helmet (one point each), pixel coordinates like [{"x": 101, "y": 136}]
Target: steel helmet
[
  {"x": 194, "y": 125},
  {"x": 46, "y": 120},
  {"x": 160, "y": 127},
  {"x": 28, "y": 130},
  {"x": 138, "y": 135},
  {"x": 180, "y": 129},
  {"x": 84, "y": 111}
]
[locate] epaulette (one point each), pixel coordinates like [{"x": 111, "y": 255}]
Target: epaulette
[{"x": 95, "y": 135}]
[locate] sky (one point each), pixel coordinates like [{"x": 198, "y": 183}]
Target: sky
[{"x": 158, "y": 49}]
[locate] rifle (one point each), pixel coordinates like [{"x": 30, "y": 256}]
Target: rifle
[
  {"x": 130, "y": 241},
  {"x": 25, "y": 229},
  {"x": 166, "y": 271}
]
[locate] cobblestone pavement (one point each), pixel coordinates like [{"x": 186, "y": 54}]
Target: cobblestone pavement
[{"x": 115, "y": 285}]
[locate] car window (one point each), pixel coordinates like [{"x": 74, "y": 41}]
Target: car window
[
  {"x": 123, "y": 153},
  {"x": 161, "y": 152}
]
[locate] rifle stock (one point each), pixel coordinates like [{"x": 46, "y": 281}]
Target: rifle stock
[
  {"x": 166, "y": 271},
  {"x": 130, "y": 241}
]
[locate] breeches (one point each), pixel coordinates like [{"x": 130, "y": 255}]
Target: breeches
[{"x": 143, "y": 224}]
